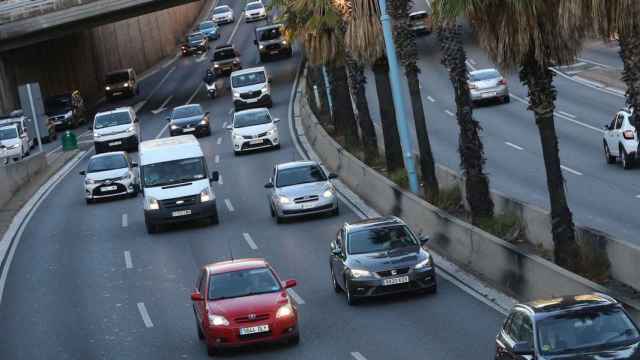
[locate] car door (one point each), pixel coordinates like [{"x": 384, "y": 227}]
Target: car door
[
  {"x": 610, "y": 138},
  {"x": 200, "y": 307},
  {"x": 517, "y": 328},
  {"x": 272, "y": 190},
  {"x": 338, "y": 260}
]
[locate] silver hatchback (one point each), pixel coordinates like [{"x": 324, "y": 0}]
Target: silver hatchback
[
  {"x": 301, "y": 188},
  {"x": 488, "y": 84}
]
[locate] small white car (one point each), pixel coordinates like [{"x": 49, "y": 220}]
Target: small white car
[
  {"x": 12, "y": 145},
  {"x": 488, "y": 84},
  {"x": 254, "y": 129},
  {"x": 255, "y": 11},
  {"x": 251, "y": 88},
  {"x": 108, "y": 175},
  {"x": 621, "y": 140},
  {"x": 115, "y": 130},
  {"x": 223, "y": 15}
]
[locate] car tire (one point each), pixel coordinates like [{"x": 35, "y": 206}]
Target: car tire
[
  {"x": 151, "y": 228},
  {"x": 270, "y": 104},
  {"x": 607, "y": 155},
  {"x": 506, "y": 99},
  {"x": 89, "y": 201},
  {"x": 214, "y": 219},
  {"x": 334, "y": 283},
  {"x": 351, "y": 301},
  {"x": 262, "y": 58},
  {"x": 627, "y": 162},
  {"x": 294, "y": 340},
  {"x": 336, "y": 211},
  {"x": 277, "y": 146},
  {"x": 208, "y": 133},
  {"x": 198, "y": 329},
  {"x": 212, "y": 351},
  {"x": 280, "y": 219}
]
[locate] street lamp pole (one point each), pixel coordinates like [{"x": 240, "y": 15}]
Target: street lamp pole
[{"x": 398, "y": 98}]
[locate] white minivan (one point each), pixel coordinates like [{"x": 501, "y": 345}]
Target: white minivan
[
  {"x": 175, "y": 182},
  {"x": 251, "y": 88}
]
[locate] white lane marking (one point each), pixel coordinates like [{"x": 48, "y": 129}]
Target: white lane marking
[
  {"x": 125, "y": 220},
  {"x": 127, "y": 259},
  {"x": 137, "y": 107},
  {"x": 249, "y": 241},
  {"x": 431, "y": 99},
  {"x": 216, "y": 159},
  {"x": 568, "y": 169},
  {"x": 145, "y": 315},
  {"x": 195, "y": 93},
  {"x": 637, "y": 196},
  {"x": 202, "y": 57},
  {"x": 162, "y": 107},
  {"x": 558, "y": 114},
  {"x": 230, "y": 111},
  {"x": 229, "y": 205},
  {"x": 297, "y": 298},
  {"x": 235, "y": 29},
  {"x": 567, "y": 114},
  {"x": 514, "y": 145},
  {"x": 219, "y": 141},
  {"x": 589, "y": 83},
  {"x": 473, "y": 62},
  {"x": 224, "y": 125},
  {"x": 166, "y": 76},
  {"x": 220, "y": 182},
  {"x": 162, "y": 131},
  {"x": 356, "y": 355},
  {"x": 448, "y": 112},
  {"x": 595, "y": 63}
]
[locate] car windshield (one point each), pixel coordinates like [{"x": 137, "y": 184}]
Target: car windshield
[
  {"x": 380, "y": 240},
  {"x": 485, "y": 75},
  {"x": 173, "y": 172},
  {"x": 242, "y": 283},
  {"x": 254, "y": 6},
  {"x": 7, "y": 133},
  {"x": 207, "y": 25},
  {"x": 106, "y": 163},
  {"x": 194, "y": 38},
  {"x": 300, "y": 175},
  {"x": 113, "y": 119},
  {"x": 185, "y": 112},
  {"x": 270, "y": 34},
  {"x": 221, "y": 10},
  {"x": 116, "y": 78},
  {"x": 251, "y": 118},
  {"x": 58, "y": 104},
  {"x": 585, "y": 331},
  {"x": 224, "y": 54},
  {"x": 418, "y": 16},
  {"x": 249, "y": 79}
]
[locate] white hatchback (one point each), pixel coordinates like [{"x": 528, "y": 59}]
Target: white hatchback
[
  {"x": 255, "y": 11},
  {"x": 620, "y": 140},
  {"x": 223, "y": 15},
  {"x": 254, "y": 129},
  {"x": 108, "y": 175}
]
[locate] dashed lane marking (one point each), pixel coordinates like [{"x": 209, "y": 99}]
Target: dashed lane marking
[
  {"x": 195, "y": 93},
  {"x": 125, "y": 220},
  {"x": 127, "y": 260},
  {"x": 219, "y": 141},
  {"x": 431, "y": 99},
  {"x": 230, "y": 111},
  {"x": 220, "y": 181},
  {"x": 229, "y": 205},
  {"x": 448, "y": 112},
  {"x": 297, "y": 298},
  {"x": 235, "y": 29},
  {"x": 568, "y": 169},
  {"x": 514, "y": 146},
  {"x": 250, "y": 241},
  {"x": 356, "y": 355},
  {"x": 145, "y": 315},
  {"x": 216, "y": 159}
]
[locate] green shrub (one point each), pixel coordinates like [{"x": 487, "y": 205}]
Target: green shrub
[{"x": 504, "y": 226}]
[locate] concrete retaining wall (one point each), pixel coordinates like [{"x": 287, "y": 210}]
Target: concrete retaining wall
[{"x": 14, "y": 175}]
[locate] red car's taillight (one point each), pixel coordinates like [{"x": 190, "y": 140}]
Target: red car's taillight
[{"x": 628, "y": 134}]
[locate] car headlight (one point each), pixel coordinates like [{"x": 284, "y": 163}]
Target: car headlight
[
  {"x": 216, "y": 65},
  {"x": 328, "y": 194},
  {"x": 264, "y": 90},
  {"x": 284, "y": 42},
  {"x": 89, "y": 181},
  {"x": 68, "y": 114},
  {"x": 236, "y": 93},
  {"x": 260, "y": 47},
  {"x": 284, "y": 200},
  {"x": 174, "y": 127},
  {"x": 15, "y": 146},
  {"x": 218, "y": 320},
  {"x": 205, "y": 195},
  {"x": 153, "y": 204},
  {"x": 237, "y": 137},
  {"x": 96, "y": 135},
  {"x": 236, "y": 61},
  {"x": 107, "y": 87},
  {"x": 131, "y": 129},
  {"x": 271, "y": 132},
  {"x": 126, "y": 85},
  {"x": 426, "y": 263},
  {"x": 204, "y": 121},
  {"x": 357, "y": 273},
  {"x": 284, "y": 311}
]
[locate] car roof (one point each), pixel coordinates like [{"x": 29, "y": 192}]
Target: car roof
[
  {"x": 249, "y": 111},
  {"x": 268, "y": 27},
  {"x": 483, "y": 71},
  {"x": 373, "y": 223},
  {"x": 116, "y": 110},
  {"x": 294, "y": 164},
  {"x": 222, "y": 6},
  {"x": 236, "y": 265},
  {"x": 568, "y": 303},
  {"x": 108, "y": 154},
  {"x": 169, "y": 149},
  {"x": 248, "y": 71},
  {"x": 255, "y": 2}
]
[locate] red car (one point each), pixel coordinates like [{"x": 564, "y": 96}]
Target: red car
[{"x": 242, "y": 302}]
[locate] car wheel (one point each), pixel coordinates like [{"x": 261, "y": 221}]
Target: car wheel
[
  {"x": 270, "y": 104},
  {"x": 626, "y": 160},
  {"x": 262, "y": 58},
  {"x": 336, "y": 211},
  {"x": 212, "y": 351},
  {"x": 151, "y": 228},
  {"x": 350, "y": 299},
  {"x": 214, "y": 219},
  {"x": 506, "y": 99},
  {"x": 295, "y": 340},
  {"x": 607, "y": 155},
  {"x": 89, "y": 201},
  {"x": 280, "y": 219},
  {"x": 334, "y": 283},
  {"x": 208, "y": 133}
]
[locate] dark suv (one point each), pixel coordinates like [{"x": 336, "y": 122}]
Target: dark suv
[
  {"x": 271, "y": 42},
  {"x": 589, "y": 326},
  {"x": 225, "y": 60},
  {"x": 121, "y": 82},
  {"x": 195, "y": 43},
  {"x": 65, "y": 111}
]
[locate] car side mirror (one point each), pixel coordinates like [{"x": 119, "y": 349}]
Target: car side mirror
[
  {"x": 136, "y": 120},
  {"x": 196, "y": 296},
  {"x": 522, "y": 348},
  {"x": 424, "y": 239},
  {"x": 269, "y": 79},
  {"x": 336, "y": 251},
  {"x": 229, "y": 127},
  {"x": 276, "y": 120},
  {"x": 215, "y": 176},
  {"x": 268, "y": 185},
  {"x": 134, "y": 164},
  {"x": 83, "y": 173},
  {"x": 168, "y": 119},
  {"x": 333, "y": 176},
  {"x": 290, "y": 283},
  {"x": 606, "y": 127}
]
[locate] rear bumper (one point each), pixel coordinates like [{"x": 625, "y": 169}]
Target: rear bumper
[
  {"x": 418, "y": 280},
  {"x": 282, "y": 51},
  {"x": 226, "y": 70},
  {"x": 486, "y": 94},
  {"x": 261, "y": 101},
  {"x": 119, "y": 92},
  {"x": 165, "y": 215}
]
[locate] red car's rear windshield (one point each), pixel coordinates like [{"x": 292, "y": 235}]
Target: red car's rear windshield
[{"x": 242, "y": 283}]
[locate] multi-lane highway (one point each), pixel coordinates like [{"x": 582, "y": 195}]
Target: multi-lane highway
[{"x": 88, "y": 282}]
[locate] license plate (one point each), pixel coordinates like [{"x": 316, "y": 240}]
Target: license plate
[
  {"x": 189, "y": 129},
  {"x": 254, "y": 330},
  {"x": 108, "y": 188},
  {"x": 254, "y": 142},
  {"x": 395, "y": 281},
  {"x": 115, "y": 143},
  {"x": 489, "y": 94},
  {"x": 274, "y": 52},
  {"x": 117, "y": 93},
  {"x": 307, "y": 206},
  {"x": 181, "y": 213}
]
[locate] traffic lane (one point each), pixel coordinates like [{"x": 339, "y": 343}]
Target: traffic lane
[{"x": 603, "y": 53}]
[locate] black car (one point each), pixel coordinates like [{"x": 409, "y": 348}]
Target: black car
[
  {"x": 225, "y": 60},
  {"x": 65, "y": 111},
  {"x": 378, "y": 257},
  {"x": 189, "y": 119},
  {"x": 121, "y": 83},
  {"x": 581, "y": 327},
  {"x": 271, "y": 42},
  {"x": 196, "y": 43}
]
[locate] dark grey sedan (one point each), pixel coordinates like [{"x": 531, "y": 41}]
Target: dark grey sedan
[
  {"x": 189, "y": 119},
  {"x": 378, "y": 257}
]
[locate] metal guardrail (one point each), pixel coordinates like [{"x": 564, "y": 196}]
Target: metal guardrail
[{"x": 14, "y": 10}]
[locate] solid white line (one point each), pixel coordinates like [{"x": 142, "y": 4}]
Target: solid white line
[
  {"x": 224, "y": 125},
  {"x": 595, "y": 63},
  {"x": 125, "y": 220},
  {"x": 567, "y": 114},
  {"x": 297, "y": 298},
  {"x": 448, "y": 112},
  {"x": 127, "y": 259},
  {"x": 514, "y": 146},
  {"x": 202, "y": 57},
  {"x": 235, "y": 29},
  {"x": 220, "y": 182},
  {"x": 194, "y": 94},
  {"x": 574, "y": 172},
  {"x": 230, "y": 111},
  {"x": 229, "y": 206},
  {"x": 587, "y": 83},
  {"x": 219, "y": 141},
  {"x": 137, "y": 107},
  {"x": 162, "y": 131},
  {"x": 166, "y": 76},
  {"x": 249, "y": 241},
  {"x": 145, "y": 315},
  {"x": 216, "y": 159},
  {"x": 431, "y": 99},
  {"x": 356, "y": 355}
]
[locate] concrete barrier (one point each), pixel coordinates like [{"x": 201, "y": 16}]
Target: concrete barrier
[
  {"x": 523, "y": 275},
  {"x": 14, "y": 175}
]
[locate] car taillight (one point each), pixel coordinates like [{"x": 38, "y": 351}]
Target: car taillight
[
  {"x": 628, "y": 134},
  {"x": 502, "y": 82}
]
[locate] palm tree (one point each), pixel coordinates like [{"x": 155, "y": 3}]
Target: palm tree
[
  {"x": 534, "y": 35},
  {"x": 470, "y": 146},
  {"x": 405, "y": 42}
]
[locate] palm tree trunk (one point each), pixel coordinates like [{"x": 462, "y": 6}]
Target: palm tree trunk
[
  {"x": 392, "y": 147},
  {"x": 542, "y": 94},
  {"x": 315, "y": 83},
  {"x": 357, "y": 81},
  {"x": 630, "y": 55},
  {"x": 342, "y": 107},
  {"x": 470, "y": 145}
]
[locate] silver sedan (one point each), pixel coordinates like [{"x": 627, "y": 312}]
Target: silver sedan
[
  {"x": 488, "y": 84},
  {"x": 301, "y": 188}
]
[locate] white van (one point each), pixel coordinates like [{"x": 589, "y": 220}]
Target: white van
[
  {"x": 175, "y": 182},
  {"x": 117, "y": 129},
  {"x": 251, "y": 88}
]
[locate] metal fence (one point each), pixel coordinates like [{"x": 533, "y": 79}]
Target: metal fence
[{"x": 13, "y": 10}]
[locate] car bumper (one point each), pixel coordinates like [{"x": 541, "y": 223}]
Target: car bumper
[
  {"x": 323, "y": 205},
  {"x": 194, "y": 50},
  {"x": 119, "y": 92},
  {"x": 226, "y": 70},
  {"x": 249, "y": 18},
  {"x": 116, "y": 144},
  {"x": 261, "y": 101},
  {"x": 197, "y": 130},
  {"x": 225, "y": 20},
  {"x": 372, "y": 287},
  {"x": 10, "y": 153},
  {"x": 254, "y": 144},
  {"x": 492, "y": 93},
  {"x": 166, "y": 215},
  {"x": 282, "y": 50},
  {"x": 229, "y": 337},
  {"x": 101, "y": 191}
]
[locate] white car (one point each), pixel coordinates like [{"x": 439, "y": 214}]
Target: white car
[
  {"x": 621, "y": 140},
  {"x": 255, "y": 11},
  {"x": 108, "y": 175},
  {"x": 223, "y": 15},
  {"x": 12, "y": 145},
  {"x": 254, "y": 129},
  {"x": 251, "y": 88},
  {"x": 116, "y": 129}
]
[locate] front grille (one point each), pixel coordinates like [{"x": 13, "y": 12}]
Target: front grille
[
  {"x": 380, "y": 290},
  {"x": 255, "y": 336},
  {"x": 275, "y": 46},
  {"x": 118, "y": 190},
  {"x": 262, "y": 134},
  {"x": 306, "y": 199},
  {"x": 389, "y": 272},
  {"x": 248, "y": 137},
  {"x": 265, "y": 142},
  {"x": 302, "y": 211},
  {"x": 250, "y": 95},
  {"x": 246, "y": 319},
  {"x": 179, "y": 202}
]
